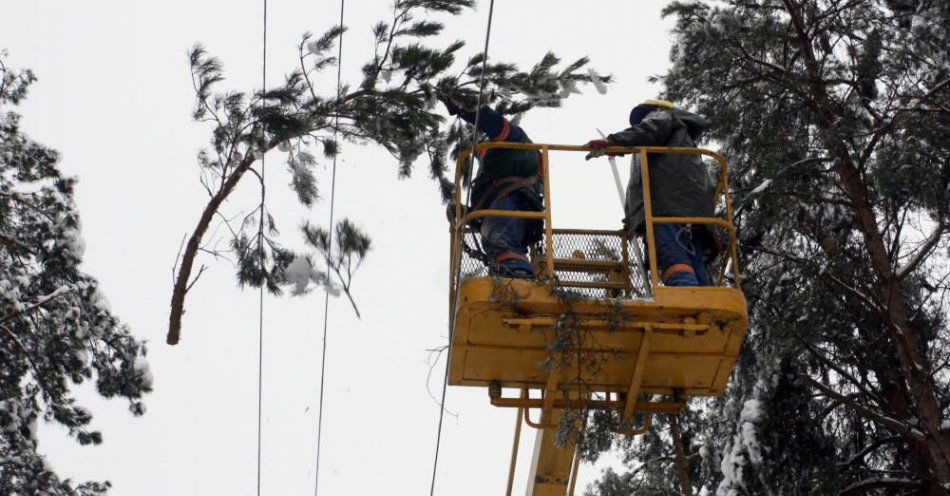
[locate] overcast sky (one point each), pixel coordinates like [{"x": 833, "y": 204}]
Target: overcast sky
[{"x": 114, "y": 97}]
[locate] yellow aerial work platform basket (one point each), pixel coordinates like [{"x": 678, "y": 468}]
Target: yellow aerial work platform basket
[{"x": 595, "y": 330}]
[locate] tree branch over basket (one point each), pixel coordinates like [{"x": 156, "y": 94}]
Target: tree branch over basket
[{"x": 392, "y": 106}]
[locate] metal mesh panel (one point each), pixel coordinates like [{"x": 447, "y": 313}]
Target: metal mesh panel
[
  {"x": 638, "y": 262},
  {"x": 593, "y": 264},
  {"x": 472, "y": 248},
  {"x": 569, "y": 245}
]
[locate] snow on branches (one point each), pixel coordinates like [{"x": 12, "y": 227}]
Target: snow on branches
[
  {"x": 392, "y": 106},
  {"x": 56, "y": 328}
]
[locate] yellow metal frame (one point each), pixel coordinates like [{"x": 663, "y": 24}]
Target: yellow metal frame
[
  {"x": 696, "y": 325},
  {"x": 668, "y": 312}
]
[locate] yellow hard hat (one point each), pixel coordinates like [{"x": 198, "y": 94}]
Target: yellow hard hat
[
  {"x": 641, "y": 111},
  {"x": 658, "y": 103}
]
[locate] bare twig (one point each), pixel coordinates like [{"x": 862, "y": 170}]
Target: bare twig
[
  {"x": 432, "y": 363},
  {"x": 193, "y": 281}
]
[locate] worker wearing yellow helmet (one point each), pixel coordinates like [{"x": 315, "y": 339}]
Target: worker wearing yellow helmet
[{"x": 680, "y": 186}]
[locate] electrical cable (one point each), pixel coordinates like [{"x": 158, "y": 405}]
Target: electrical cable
[
  {"x": 260, "y": 241},
  {"x": 326, "y": 301},
  {"x": 445, "y": 379}
]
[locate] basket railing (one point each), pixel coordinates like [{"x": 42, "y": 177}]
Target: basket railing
[{"x": 545, "y": 256}]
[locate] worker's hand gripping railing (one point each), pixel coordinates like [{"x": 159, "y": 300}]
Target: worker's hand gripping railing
[{"x": 461, "y": 221}]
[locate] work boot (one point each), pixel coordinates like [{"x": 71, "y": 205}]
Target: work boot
[{"x": 516, "y": 271}]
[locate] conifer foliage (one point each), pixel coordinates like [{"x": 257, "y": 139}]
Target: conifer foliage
[
  {"x": 834, "y": 116},
  {"x": 393, "y": 106},
  {"x": 56, "y": 328},
  {"x": 665, "y": 460}
]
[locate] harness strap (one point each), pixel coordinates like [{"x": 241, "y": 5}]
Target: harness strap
[
  {"x": 502, "y": 136},
  {"x": 505, "y": 131},
  {"x": 503, "y": 187}
]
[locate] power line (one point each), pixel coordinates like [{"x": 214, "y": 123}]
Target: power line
[
  {"x": 326, "y": 301},
  {"x": 448, "y": 355},
  {"x": 260, "y": 241}
]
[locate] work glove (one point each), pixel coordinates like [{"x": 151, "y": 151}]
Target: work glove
[
  {"x": 450, "y": 106},
  {"x": 597, "y": 147}
]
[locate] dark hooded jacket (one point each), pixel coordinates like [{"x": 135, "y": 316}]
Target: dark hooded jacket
[
  {"x": 503, "y": 168},
  {"x": 499, "y": 163},
  {"x": 680, "y": 185}
]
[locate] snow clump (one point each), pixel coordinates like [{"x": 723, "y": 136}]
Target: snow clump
[
  {"x": 298, "y": 273},
  {"x": 760, "y": 188},
  {"x": 74, "y": 242},
  {"x": 597, "y": 81},
  {"x": 141, "y": 366},
  {"x": 751, "y": 414},
  {"x": 568, "y": 87}
]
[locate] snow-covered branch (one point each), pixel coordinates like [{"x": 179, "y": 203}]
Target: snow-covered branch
[
  {"x": 56, "y": 329},
  {"x": 40, "y": 302}
]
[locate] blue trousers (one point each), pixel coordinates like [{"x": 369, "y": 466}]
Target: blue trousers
[
  {"x": 676, "y": 246},
  {"x": 501, "y": 235}
]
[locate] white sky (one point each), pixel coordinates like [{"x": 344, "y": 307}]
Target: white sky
[{"x": 114, "y": 97}]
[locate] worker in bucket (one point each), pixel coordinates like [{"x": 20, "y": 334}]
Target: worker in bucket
[
  {"x": 507, "y": 179},
  {"x": 680, "y": 186}
]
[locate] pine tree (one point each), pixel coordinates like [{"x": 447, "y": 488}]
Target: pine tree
[
  {"x": 393, "y": 106},
  {"x": 56, "y": 328},
  {"x": 834, "y": 116},
  {"x": 664, "y": 461}
]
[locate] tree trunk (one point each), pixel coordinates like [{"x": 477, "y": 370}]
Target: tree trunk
[
  {"x": 915, "y": 366},
  {"x": 194, "y": 244},
  {"x": 679, "y": 456}
]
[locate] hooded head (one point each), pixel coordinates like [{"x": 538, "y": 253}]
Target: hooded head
[
  {"x": 640, "y": 111},
  {"x": 695, "y": 123}
]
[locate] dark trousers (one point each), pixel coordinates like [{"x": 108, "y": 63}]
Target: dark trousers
[
  {"x": 505, "y": 239},
  {"x": 679, "y": 256}
]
